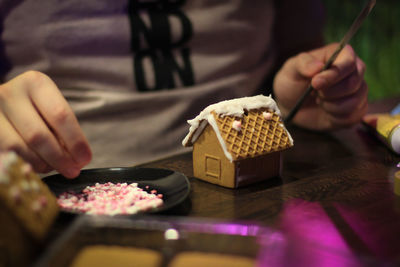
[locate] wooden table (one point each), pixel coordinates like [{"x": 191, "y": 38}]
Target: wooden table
[
  {"x": 335, "y": 190},
  {"x": 333, "y": 203}
]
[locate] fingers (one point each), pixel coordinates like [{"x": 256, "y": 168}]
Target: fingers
[
  {"x": 341, "y": 90},
  {"x": 303, "y": 66},
  {"x": 346, "y": 64},
  {"x": 38, "y": 137},
  {"x": 347, "y": 86},
  {"x": 346, "y": 105},
  {"x": 347, "y": 120},
  {"x": 62, "y": 122},
  {"x": 37, "y": 122},
  {"x": 293, "y": 78},
  {"x": 340, "y": 98},
  {"x": 10, "y": 140}
]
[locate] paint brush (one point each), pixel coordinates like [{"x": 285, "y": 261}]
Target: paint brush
[{"x": 350, "y": 33}]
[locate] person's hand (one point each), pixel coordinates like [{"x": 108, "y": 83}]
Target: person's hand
[
  {"x": 340, "y": 95},
  {"x": 37, "y": 122}
]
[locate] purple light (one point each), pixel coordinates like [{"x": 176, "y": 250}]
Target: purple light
[
  {"x": 369, "y": 227},
  {"x": 223, "y": 228},
  {"x": 309, "y": 239}
]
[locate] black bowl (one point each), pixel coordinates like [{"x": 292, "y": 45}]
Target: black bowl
[{"x": 174, "y": 186}]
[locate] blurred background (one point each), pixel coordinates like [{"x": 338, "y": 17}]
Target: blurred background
[{"x": 377, "y": 42}]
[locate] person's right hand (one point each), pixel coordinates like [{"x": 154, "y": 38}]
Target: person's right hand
[{"x": 37, "y": 123}]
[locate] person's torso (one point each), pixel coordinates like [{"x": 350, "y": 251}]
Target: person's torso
[
  {"x": 135, "y": 45},
  {"x": 135, "y": 71}
]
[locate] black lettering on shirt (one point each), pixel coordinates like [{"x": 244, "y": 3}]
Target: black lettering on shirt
[{"x": 152, "y": 41}]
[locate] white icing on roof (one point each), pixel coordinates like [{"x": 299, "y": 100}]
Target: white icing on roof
[{"x": 235, "y": 107}]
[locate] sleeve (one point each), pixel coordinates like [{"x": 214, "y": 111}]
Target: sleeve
[{"x": 4, "y": 63}]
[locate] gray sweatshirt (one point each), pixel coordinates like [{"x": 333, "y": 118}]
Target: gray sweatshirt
[{"x": 135, "y": 71}]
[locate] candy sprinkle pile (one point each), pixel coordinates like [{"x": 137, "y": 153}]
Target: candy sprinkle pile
[{"x": 111, "y": 199}]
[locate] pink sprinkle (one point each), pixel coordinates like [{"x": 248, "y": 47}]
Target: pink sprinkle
[
  {"x": 111, "y": 199},
  {"x": 267, "y": 115},
  {"x": 237, "y": 125}
]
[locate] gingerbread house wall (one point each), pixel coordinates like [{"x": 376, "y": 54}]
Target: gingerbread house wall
[
  {"x": 209, "y": 161},
  {"x": 210, "y": 164},
  {"x": 259, "y": 168}
]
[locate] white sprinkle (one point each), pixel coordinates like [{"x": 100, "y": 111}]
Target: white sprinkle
[
  {"x": 171, "y": 234},
  {"x": 35, "y": 186},
  {"x": 9, "y": 158},
  {"x": 25, "y": 186},
  {"x": 26, "y": 168}
]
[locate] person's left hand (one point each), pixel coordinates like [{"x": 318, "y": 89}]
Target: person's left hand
[{"x": 340, "y": 95}]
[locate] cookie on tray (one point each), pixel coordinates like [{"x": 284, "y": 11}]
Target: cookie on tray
[{"x": 27, "y": 209}]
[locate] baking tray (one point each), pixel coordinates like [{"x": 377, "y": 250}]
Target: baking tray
[
  {"x": 265, "y": 246},
  {"x": 149, "y": 232}
]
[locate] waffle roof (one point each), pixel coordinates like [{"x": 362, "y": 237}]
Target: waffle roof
[{"x": 245, "y": 127}]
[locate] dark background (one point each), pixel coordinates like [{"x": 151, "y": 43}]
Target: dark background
[{"x": 377, "y": 42}]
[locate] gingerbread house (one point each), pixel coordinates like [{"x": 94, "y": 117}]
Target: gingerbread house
[
  {"x": 27, "y": 211},
  {"x": 238, "y": 142}
]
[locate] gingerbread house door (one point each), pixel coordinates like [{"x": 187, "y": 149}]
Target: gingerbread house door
[{"x": 213, "y": 166}]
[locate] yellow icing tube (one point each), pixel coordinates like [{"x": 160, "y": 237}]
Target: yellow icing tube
[{"x": 387, "y": 128}]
